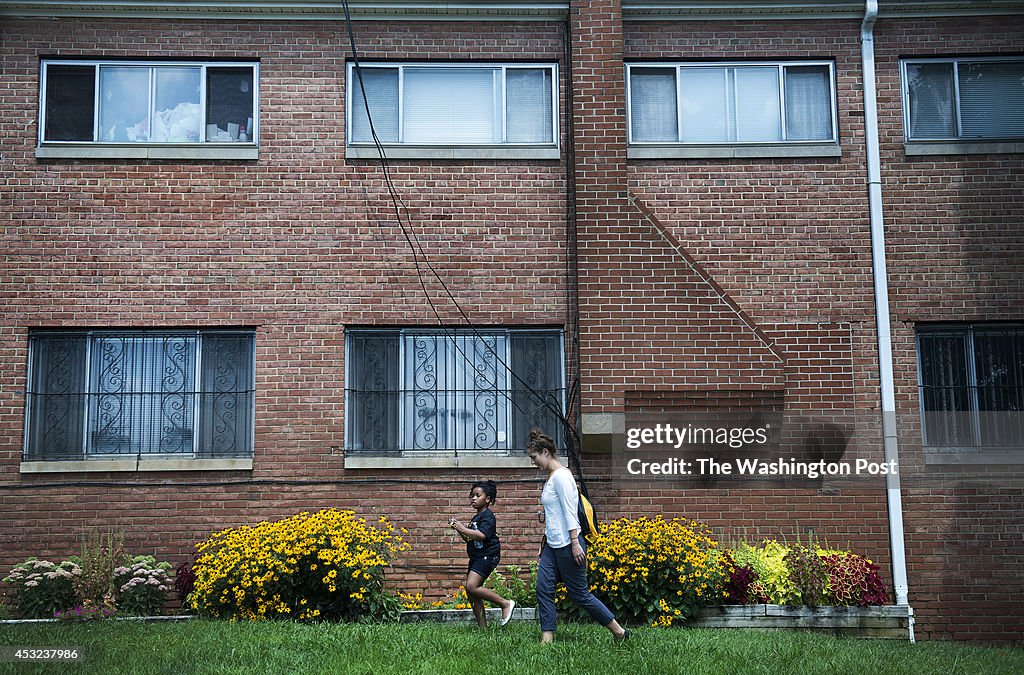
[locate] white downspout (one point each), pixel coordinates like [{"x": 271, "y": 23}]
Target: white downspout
[{"x": 882, "y": 321}]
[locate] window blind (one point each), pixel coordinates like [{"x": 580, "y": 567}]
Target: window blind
[
  {"x": 449, "y": 105},
  {"x": 528, "y": 117},
  {"x": 808, "y": 103},
  {"x": 653, "y": 105},
  {"x": 704, "y": 105},
  {"x": 381, "y": 85},
  {"x": 991, "y": 99}
]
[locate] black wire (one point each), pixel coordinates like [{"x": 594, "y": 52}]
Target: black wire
[
  {"x": 571, "y": 260},
  {"x": 417, "y": 251},
  {"x": 413, "y": 240}
]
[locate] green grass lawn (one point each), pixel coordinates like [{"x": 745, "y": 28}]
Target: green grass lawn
[{"x": 221, "y": 647}]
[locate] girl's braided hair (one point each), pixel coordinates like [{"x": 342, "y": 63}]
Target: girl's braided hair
[{"x": 489, "y": 487}]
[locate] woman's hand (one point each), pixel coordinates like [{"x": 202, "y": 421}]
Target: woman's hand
[{"x": 577, "y": 552}]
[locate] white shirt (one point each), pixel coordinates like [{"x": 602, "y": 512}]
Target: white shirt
[{"x": 561, "y": 501}]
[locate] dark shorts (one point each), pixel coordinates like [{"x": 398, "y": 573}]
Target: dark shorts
[{"x": 484, "y": 565}]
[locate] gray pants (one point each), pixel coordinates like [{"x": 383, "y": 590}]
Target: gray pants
[{"x": 556, "y": 564}]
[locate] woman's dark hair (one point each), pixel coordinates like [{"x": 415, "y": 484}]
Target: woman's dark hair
[
  {"x": 539, "y": 442},
  {"x": 489, "y": 487}
]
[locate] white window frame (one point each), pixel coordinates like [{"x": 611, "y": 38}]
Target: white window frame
[
  {"x": 99, "y": 149},
  {"x": 976, "y": 452},
  {"x": 403, "y": 456},
  {"x": 186, "y": 460},
  {"x": 954, "y": 144},
  {"x": 780, "y": 148},
  {"x": 441, "y": 150}
]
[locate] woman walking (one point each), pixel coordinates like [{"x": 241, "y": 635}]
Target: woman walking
[{"x": 563, "y": 556}]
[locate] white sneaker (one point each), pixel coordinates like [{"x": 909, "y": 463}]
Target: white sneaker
[{"x": 511, "y": 608}]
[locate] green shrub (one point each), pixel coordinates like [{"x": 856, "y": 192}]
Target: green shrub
[
  {"x": 142, "y": 586},
  {"x": 512, "y": 586},
  {"x": 807, "y": 573},
  {"x": 773, "y": 584},
  {"x": 310, "y": 567},
  {"x": 100, "y": 557},
  {"x": 42, "y": 588}
]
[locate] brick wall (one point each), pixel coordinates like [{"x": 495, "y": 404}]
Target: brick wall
[
  {"x": 787, "y": 239},
  {"x": 298, "y": 245},
  {"x": 696, "y": 276},
  {"x": 720, "y": 275},
  {"x": 955, "y": 245}
]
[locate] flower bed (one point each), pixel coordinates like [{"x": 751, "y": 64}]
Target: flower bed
[
  {"x": 101, "y": 583},
  {"x": 330, "y": 566}
]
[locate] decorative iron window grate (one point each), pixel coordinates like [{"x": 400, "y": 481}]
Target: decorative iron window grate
[
  {"x": 971, "y": 381},
  {"x": 179, "y": 393},
  {"x": 423, "y": 391}
]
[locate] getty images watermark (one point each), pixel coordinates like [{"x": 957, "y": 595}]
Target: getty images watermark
[
  {"x": 759, "y": 448},
  {"x": 667, "y": 435}
]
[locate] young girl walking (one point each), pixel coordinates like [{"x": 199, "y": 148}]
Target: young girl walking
[{"x": 484, "y": 549}]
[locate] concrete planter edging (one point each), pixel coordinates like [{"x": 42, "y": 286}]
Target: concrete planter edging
[
  {"x": 464, "y": 615},
  {"x": 886, "y": 621}
]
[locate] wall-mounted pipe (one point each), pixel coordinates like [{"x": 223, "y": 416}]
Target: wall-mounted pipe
[{"x": 894, "y": 495}]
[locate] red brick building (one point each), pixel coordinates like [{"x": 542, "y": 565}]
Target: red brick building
[{"x": 221, "y": 306}]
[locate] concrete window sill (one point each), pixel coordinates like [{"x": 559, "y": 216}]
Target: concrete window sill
[
  {"x": 187, "y": 152},
  {"x": 414, "y": 461},
  {"x": 732, "y": 151},
  {"x": 452, "y": 152},
  {"x": 931, "y": 148},
  {"x": 132, "y": 464},
  {"x": 973, "y": 456}
]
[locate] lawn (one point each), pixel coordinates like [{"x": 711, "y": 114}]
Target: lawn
[{"x": 220, "y": 647}]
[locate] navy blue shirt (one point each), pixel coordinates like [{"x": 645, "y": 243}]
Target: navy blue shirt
[{"x": 485, "y": 522}]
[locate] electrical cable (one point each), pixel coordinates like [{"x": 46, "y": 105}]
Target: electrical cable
[
  {"x": 417, "y": 251},
  {"x": 572, "y": 262}
]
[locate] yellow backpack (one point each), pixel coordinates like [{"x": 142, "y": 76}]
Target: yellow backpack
[{"x": 589, "y": 526}]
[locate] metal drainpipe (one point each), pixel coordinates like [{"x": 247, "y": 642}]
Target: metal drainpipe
[{"x": 882, "y": 321}]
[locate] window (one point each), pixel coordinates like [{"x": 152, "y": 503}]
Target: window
[
  {"x": 187, "y": 394},
  {"x": 429, "y": 391},
  {"x": 731, "y": 104},
  {"x": 453, "y": 105},
  {"x": 971, "y": 382},
  {"x": 963, "y": 99},
  {"x": 146, "y": 103}
]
